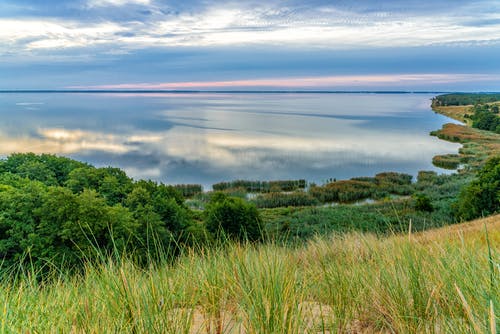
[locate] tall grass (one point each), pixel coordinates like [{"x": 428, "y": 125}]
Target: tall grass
[{"x": 441, "y": 281}]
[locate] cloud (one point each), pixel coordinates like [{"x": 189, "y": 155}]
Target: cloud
[
  {"x": 89, "y": 42},
  {"x": 116, "y": 3},
  {"x": 236, "y": 24},
  {"x": 54, "y": 34},
  {"x": 320, "y": 82}
]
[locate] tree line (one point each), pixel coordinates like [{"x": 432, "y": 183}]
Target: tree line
[
  {"x": 55, "y": 211},
  {"x": 464, "y": 99},
  {"x": 58, "y": 211}
]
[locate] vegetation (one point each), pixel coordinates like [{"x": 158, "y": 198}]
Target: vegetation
[
  {"x": 478, "y": 110},
  {"x": 438, "y": 281},
  {"x": 261, "y": 186},
  {"x": 189, "y": 190},
  {"x": 279, "y": 199},
  {"x": 464, "y": 99},
  {"x": 72, "y": 212},
  {"x": 360, "y": 188},
  {"x": 485, "y": 117},
  {"x": 87, "y": 249},
  {"x": 478, "y": 145},
  {"x": 423, "y": 203},
  {"x": 57, "y": 211},
  {"x": 232, "y": 217},
  {"x": 482, "y": 196},
  {"x": 447, "y": 161}
]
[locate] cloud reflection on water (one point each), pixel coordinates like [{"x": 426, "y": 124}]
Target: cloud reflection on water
[{"x": 181, "y": 139}]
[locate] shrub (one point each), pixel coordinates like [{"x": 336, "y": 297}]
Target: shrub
[
  {"x": 482, "y": 196},
  {"x": 232, "y": 217},
  {"x": 423, "y": 203}
]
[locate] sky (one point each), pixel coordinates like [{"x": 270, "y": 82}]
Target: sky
[{"x": 438, "y": 45}]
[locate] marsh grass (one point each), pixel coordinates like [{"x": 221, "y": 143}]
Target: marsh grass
[
  {"x": 440, "y": 281},
  {"x": 478, "y": 145}
]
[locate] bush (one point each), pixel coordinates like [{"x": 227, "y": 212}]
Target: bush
[
  {"x": 482, "y": 196},
  {"x": 232, "y": 217},
  {"x": 423, "y": 203}
]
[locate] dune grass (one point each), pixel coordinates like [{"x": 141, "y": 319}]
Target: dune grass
[{"x": 439, "y": 281}]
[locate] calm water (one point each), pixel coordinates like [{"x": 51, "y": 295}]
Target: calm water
[{"x": 206, "y": 138}]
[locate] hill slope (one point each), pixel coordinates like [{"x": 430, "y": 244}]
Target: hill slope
[{"x": 444, "y": 280}]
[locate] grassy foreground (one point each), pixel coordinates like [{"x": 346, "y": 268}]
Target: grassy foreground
[{"x": 439, "y": 281}]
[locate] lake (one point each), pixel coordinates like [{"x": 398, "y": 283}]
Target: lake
[{"x": 210, "y": 137}]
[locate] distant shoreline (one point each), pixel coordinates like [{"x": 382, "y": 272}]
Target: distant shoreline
[{"x": 23, "y": 91}]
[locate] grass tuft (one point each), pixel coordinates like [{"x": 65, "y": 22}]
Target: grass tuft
[{"x": 438, "y": 281}]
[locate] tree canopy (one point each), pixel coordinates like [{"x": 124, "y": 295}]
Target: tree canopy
[{"x": 60, "y": 211}]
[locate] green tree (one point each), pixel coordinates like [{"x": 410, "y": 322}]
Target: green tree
[
  {"x": 152, "y": 233},
  {"x": 97, "y": 227},
  {"x": 233, "y": 217},
  {"x": 39, "y": 167},
  {"x": 83, "y": 178},
  {"x": 36, "y": 170},
  {"x": 482, "y": 196},
  {"x": 485, "y": 120},
  {"x": 18, "y": 224},
  {"x": 58, "y": 210}
]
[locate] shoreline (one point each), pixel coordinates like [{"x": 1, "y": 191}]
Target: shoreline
[
  {"x": 477, "y": 145},
  {"x": 432, "y": 133}
]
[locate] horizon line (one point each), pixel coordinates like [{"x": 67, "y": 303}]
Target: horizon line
[{"x": 182, "y": 91}]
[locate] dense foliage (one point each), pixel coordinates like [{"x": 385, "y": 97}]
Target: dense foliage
[
  {"x": 261, "y": 186},
  {"x": 485, "y": 117},
  {"x": 423, "y": 203},
  {"x": 233, "y": 218},
  {"x": 59, "y": 211},
  {"x": 482, "y": 196},
  {"x": 464, "y": 99},
  {"x": 483, "y": 112}
]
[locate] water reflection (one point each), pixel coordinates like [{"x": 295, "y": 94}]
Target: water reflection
[{"x": 206, "y": 138}]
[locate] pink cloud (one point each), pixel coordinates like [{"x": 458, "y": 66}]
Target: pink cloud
[{"x": 401, "y": 80}]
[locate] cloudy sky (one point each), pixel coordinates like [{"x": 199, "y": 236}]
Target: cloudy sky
[{"x": 204, "y": 44}]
